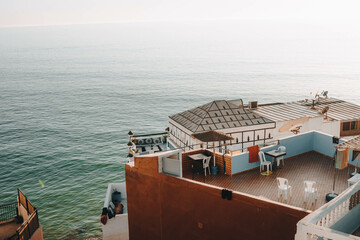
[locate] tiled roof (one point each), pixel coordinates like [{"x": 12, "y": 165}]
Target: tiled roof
[{"x": 218, "y": 115}]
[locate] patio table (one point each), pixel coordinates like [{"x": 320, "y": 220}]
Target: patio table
[
  {"x": 197, "y": 165},
  {"x": 275, "y": 154}
]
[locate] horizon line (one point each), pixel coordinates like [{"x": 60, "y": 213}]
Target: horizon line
[{"x": 159, "y": 21}]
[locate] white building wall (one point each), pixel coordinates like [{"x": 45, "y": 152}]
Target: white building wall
[
  {"x": 316, "y": 123},
  {"x": 332, "y": 128},
  {"x": 181, "y": 135}
]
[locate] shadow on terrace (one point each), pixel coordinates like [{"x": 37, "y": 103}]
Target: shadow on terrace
[{"x": 309, "y": 156}]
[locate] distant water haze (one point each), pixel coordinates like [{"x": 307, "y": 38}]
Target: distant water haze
[{"x": 70, "y": 94}]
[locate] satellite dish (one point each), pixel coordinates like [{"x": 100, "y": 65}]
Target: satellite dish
[{"x": 325, "y": 93}]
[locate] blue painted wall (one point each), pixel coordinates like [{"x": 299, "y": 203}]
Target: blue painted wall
[
  {"x": 298, "y": 144},
  {"x": 295, "y": 145},
  {"x": 240, "y": 163},
  {"x": 350, "y": 222}
]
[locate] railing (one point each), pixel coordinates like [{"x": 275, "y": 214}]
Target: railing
[
  {"x": 25, "y": 202},
  {"x": 8, "y": 211},
  {"x": 317, "y": 224},
  {"x": 31, "y": 224},
  {"x": 27, "y": 229}
]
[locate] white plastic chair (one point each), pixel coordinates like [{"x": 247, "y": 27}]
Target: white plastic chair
[
  {"x": 310, "y": 188},
  {"x": 283, "y": 186},
  {"x": 206, "y": 164},
  {"x": 281, "y": 149},
  {"x": 263, "y": 162}
]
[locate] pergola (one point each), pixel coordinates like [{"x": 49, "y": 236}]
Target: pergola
[
  {"x": 354, "y": 145},
  {"x": 212, "y": 136}
]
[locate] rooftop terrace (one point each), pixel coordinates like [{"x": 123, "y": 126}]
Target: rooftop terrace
[{"x": 307, "y": 166}]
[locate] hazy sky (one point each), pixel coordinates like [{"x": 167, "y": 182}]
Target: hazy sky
[{"x": 60, "y": 12}]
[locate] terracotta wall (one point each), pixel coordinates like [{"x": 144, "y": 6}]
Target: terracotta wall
[
  {"x": 186, "y": 161},
  {"x": 220, "y": 163},
  {"x": 38, "y": 234},
  {"x": 166, "y": 207}
]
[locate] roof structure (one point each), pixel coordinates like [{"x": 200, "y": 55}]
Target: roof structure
[
  {"x": 339, "y": 110},
  {"x": 218, "y": 115},
  {"x": 352, "y": 144},
  {"x": 285, "y": 111},
  {"x": 212, "y": 136}
]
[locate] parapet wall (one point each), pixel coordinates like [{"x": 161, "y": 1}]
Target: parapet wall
[{"x": 165, "y": 207}]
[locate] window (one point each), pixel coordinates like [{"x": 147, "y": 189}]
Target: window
[
  {"x": 237, "y": 140},
  {"x": 248, "y": 138},
  {"x": 346, "y": 126},
  {"x": 354, "y": 125},
  {"x": 269, "y": 135},
  {"x": 258, "y": 137}
]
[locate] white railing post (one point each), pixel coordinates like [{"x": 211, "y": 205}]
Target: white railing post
[{"x": 317, "y": 224}]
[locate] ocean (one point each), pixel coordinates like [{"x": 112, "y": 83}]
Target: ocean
[{"x": 70, "y": 94}]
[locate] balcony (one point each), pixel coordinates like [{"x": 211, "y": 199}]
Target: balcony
[
  {"x": 19, "y": 220},
  {"x": 339, "y": 219}
]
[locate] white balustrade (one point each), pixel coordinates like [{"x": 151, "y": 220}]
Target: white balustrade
[{"x": 317, "y": 224}]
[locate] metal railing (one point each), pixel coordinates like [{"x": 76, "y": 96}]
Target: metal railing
[
  {"x": 8, "y": 211},
  {"x": 317, "y": 224},
  {"x": 31, "y": 224},
  {"x": 27, "y": 229}
]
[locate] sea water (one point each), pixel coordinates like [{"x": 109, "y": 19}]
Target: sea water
[{"x": 70, "y": 94}]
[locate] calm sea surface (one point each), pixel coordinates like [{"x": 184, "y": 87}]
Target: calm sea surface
[{"x": 70, "y": 94}]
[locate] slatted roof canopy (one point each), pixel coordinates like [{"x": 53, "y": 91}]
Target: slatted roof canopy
[
  {"x": 339, "y": 110},
  {"x": 285, "y": 111},
  {"x": 212, "y": 136},
  {"x": 218, "y": 115},
  {"x": 352, "y": 144}
]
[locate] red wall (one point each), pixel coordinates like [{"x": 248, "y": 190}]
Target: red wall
[{"x": 165, "y": 207}]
